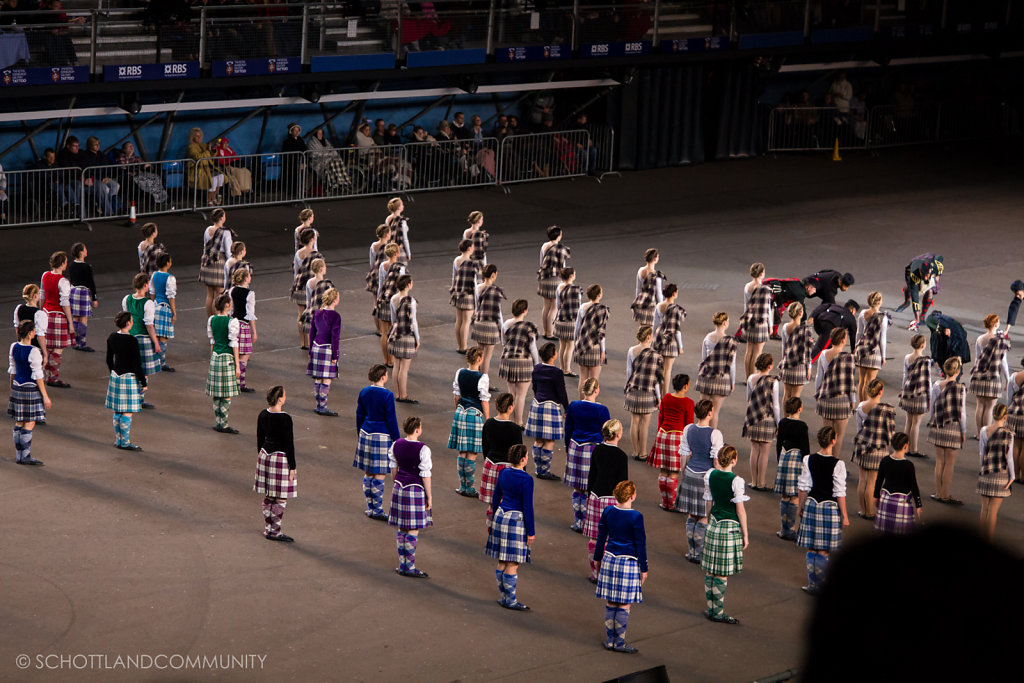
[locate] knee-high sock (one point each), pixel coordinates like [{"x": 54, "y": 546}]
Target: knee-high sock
[
  {"x": 690, "y": 524},
  {"x": 510, "y": 581},
  {"x": 368, "y": 493},
  {"x": 671, "y": 492},
  {"x": 820, "y": 565},
  {"x": 499, "y": 575},
  {"x": 609, "y": 625},
  {"x": 709, "y": 593},
  {"x": 720, "y": 585},
  {"x": 460, "y": 463},
  {"x": 267, "y": 508},
  {"x": 591, "y": 547},
  {"x": 221, "y": 406},
  {"x": 378, "y": 496},
  {"x": 26, "y": 443},
  {"x": 579, "y": 509},
  {"x": 621, "y": 621},
  {"x": 126, "y": 427},
  {"x": 788, "y": 511},
  {"x": 52, "y": 368},
  {"x": 118, "y": 432},
  {"x": 661, "y": 488},
  {"x": 80, "y": 331},
  {"x": 318, "y": 396},
  {"x": 544, "y": 467},
  {"x": 410, "y": 551},
  {"x": 276, "y": 515},
  {"x": 794, "y": 520},
  {"x": 17, "y": 442},
  {"x": 538, "y": 463},
  {"x": 812, "y": 574},
  {"x": 699, "y": 529},
  {"x": 400, "y": 542},
  {"x": 241, "y": 372},
  {"x": 325, "y": 390},
  {"x": 163, "y": 352},
  {"x": 470, "y": 465}
]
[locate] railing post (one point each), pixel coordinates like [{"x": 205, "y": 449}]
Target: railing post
[
  {"x": 323, "y": 25},
  {"x": 807, "y": 19},
  {"x": 575, "y": 25},
  {"x": 657, "y": 21},
  {"x": 878, "y": 15},
  {"x": 304, "y": 54},
  {"x": 942, "y": 22},
  {"x": 490, "y": 28},
  {"x": 93, "y": 30},
  {"x": 398, "y": 36},
  {"x": 732, "y": 22},
  {"x": 202, "y": 38}
]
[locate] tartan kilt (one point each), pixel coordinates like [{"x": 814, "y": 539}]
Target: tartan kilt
[
  {"x": 546, "y": 421},
  {"x": 382, "y": 311},
  {"x": 466, "y": 435},
  {"x": 488, "y": 478},
  {"x": 372, "y": 453},
  {"x": 1015, "y": 423},
  {"x": 915, "y": 405},
  {"x": 123, "y": 393},
  {"x": 150, "y": 358},
  {"x": 643, "y": 315},
  {"x": 946, "y": 436},
  {"x": 619, "y": 579},
  {"x": 787, "y": 472},
  {"x": 993, "y": 485},
  {"x": 506, "y": 541},
  {"x": 821, "y": 526},
  {"x": 548, "y": 287},
  {"x": 795, "y": 376},
  {"x": 762, "y": 430},
  {"x": 871, "y": 360},
  {"x": 463, "y": 301},
  {"x": 244, "y": 338},
  {"x": 723, "y": 548},
  {"x": 516, "y": 369},
  {"x": 986, "y": 388},
  {"x": 577, "y": 464},
  {"x": 641, "y": 402},
  {"x": 669, "y": 349},
  {"x": 272, "y": 476},
  {"x": 665, "y": 451},
  {"x": 714, "y": 386},
  {"x": 485, "y": 332},
  {"x": 895, "y": 513},
  {"x": 81, "y": 302},
  {"x": 757, "y": 333},
  {"x": 298, "y": 296},
  {"x": 162, "y": 324},
  {"x": 834, "y": 408},
  {"x": 220, "y": 380},
  {"x": 691, "y": 494},
  {"x": 403, "y": 347},
  {"x": 869, "y": 458},
  {"x": 26, "y": 404},
  {"x": 58, "y": 336},
  {"x": 409, "y": 507},
  {"x": 565, "y": 330},
  {"x": 320, "y": 365},
  {"x": 591, "y": 358},
  {"x": 211, "y": 273},
  {"x": 595, "y": 507}
]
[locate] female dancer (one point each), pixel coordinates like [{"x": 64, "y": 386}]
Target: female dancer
[
  {"x": 143, "y": 311},
  {"x": 797, "y": 342},
  {"x": 869, "y": 353},
  {"x": 835, "y": 386},
  {"x": 698, "y": 449},
  {"x": 485, "y": 329},
  {"x": 591, "y": 323},
  {"x": 387, "y": 286},
  {"x": 56, "y": 291},
  {"x": 472, "y": 406},
  {"x": 476, "y": 233},
  {"x": 149, "y": 249},
  {"x": 649, "y": 289},
  {"x": 164, "y": 288},
  {"x": 316, "y": 285},
  {"x": 915, "y": 392},
  {"x": 756, "y": 322},
  {"x": 583, "y": 421},
  {"x": 222, "y": 378},
  {"x": 127, "y": 380},
  {"x": 762, "y": 419},
  {"x": 644, "y": 382},
  {"x": 302, "y": 271},
  {"x": 608, "y": 466},
  {"x": 822, "y": 507},
  {"x": 29, "y": 400},
  {"x": 411, "y": 497},
  {"x": 876, "y": 423},
  {"x": 897, "y": 498},
  {"x": 398, "y": 225},
  {"x": 519, "y": 355},
  {"x": 512, "y": 531},
  {"x": 996, "y": 474},
  {"x": 275, "y": 468},
  {"x": 465, "y": 274},
  {"x": 674, "y": 414},
  {"x": 716, "y": 374},
  {"x": 948, "y": 427},
  {"x": 567, "y": 309},
  {"x": 324, "y": 338},
  {"x": 499, "y": 434},
  {"x": 726, "y": 537},
  {"x": 83, "y": 294},
  {"x": 546, "y": 422},
  {"x": 377, "y": 257},
  {"x": 404, "y": 336},
  {"x": 378, "y": 429},
  {"x": 668, "y": 328},
  {"x": 621, "y": 557},
  {"x": 553, "y": 255},
  {"x": 217, "y": 240},
  {"x": 992, "y": 371},
  {"x": 791, "y": 447},
  {"x": 1015, "y": 418},
  {"x": 306, "y": 218},
  {"x": 237, "y": 261},
  {"x": 243, "y": 308},
  {"x": 30, "y": 310}
]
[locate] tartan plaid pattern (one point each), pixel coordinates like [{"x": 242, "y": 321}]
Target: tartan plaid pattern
[
  {"x": 220, "y": 380},
  {"x": 372, "y": 452},
  {"x": 787, "y": 473},
  {"x": 997, "y": 451},
  {"x": 643, "y": 305},
  {"x": 298, "y": 295},
  {"x": 382, "y": 310},
  {"x": 316, "y": 300},
  {"x": 762, "y": 431},
  {"x": 691, "y": 494},
  {"x": 488, "y": 478},
  {"x": 993, "y": 484},
  {"x": 1016, "y": 423},
  {"x": 619, "y": 579},
  {"x": 401, "y": 342},
  {"x": 665, "y": 341},
  {"x": 489, "y": 308},
  {"x": 839, "y": 382},
  {"x": 485, "y": 332},
  {"x": 868, "y": 351},
  {"x": 26, "y": 403},
  {"x": 480, "y": 245},
  {"x": 592, "y": 331},
  {"x": 947, "y": 435},
  {"x": 402, "y": 347},
  {"x": 794, "y": 376},
  {"x": 914, "y": 394},
  {"x": 568, "y": 309},
  {"x": 713, "y": 386},
  {"x": 546, "y": 421},
  {"x": 895, "y": 513},
  {"x": 241, "y": 264},
  {"x": 821, "y": 526},
  {"x": 718, "y": 362},
  {"x": 642, "y": 385},
  {"x": 151, "y": 362},
  {"x": 150, "y": 254},
  {"x": 565, "y": 331},
  {"x": 371, "y": 277},
  {"x": 515, "y": 369},
  {"x": 548, "y": 288},
  {"x": 834, "y": 408},
  {"x": 81, "y": 302},
  {"x": 595, "y": 508},
  {"x": 211, "y": 265},
  {"x": 464, "y": 285},
  {"x": 796, "y": 356},
  {"x": 760, "y": 418},
  {"x": 466, "y": 435},
  {"x": 123, "y": 393},
  {"x": 162, "y": 324},
  {"x": 985, "y": 375},
  {"x": 516, "y": 363},
  {"x": 399, "y": 226},
  {"x": 756, "y": 319},
  {"x": 947, "y": 407},
  {"x": 665, "y": 452},
  {"x": 506, "y": 541},
  {"x": 58, "y": 336},
  {"x": 272, "y": 476},
  {"x": 244, "y": 338},
  {"x": 553, "y": 262},
  {"x": 320, "y": 365},
  {"x": 577, "y": 464},
  {"x": 723, "y": 548},
  {"x": 409, "y": 507},
  {"x": 871, "y": 443}
]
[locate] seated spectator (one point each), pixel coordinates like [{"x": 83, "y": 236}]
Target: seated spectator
[
  {"x": 842, "y": 93},
  {"x": 459, "y": 129},
  {"x": 485, "y": 156},
  {"x": 47, "y": 185},
  {"x": 100, "y": 183},
  {"x": 585, "y": 149},
  {"x": 513, "y": 125},
  {"x": 325, "y": 162},
  {"x": 380, "y": 132},
  {"x": 238, "y": 178},
  {"x": 140, "y": 173},
  {"x": 500, "y": 129},
  {"x": 444, "y": 132},
  {"x": 204, "y": 174},
  {"x": 392, "y": 136},
  {"x": 364, "y": 137},
  {"x": 294, "y": 161},
  {"x": 56, "y": 37},
  {"x": 70, "y": 156}
]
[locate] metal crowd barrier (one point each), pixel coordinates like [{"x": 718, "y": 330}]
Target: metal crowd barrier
[
  {"x": 898, "y": 125},
  {"x": 40, "y": 196},
  {"x": 602, "y": 160},
  {"x": 809, "y": 128},
  {"x": 543, "y": 156},
  {"x": 153, "y": 188},
  {"x": 453, "y": 163},
  {"x": 257, "y": 180}
]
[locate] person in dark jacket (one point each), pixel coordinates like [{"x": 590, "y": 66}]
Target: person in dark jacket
[
  {"x": 826, "y": 284},
  {"x": 948, "y": 338},
  {"x": 827, "y": 317}
]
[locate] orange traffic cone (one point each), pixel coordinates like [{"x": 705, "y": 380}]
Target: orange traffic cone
[
  {"x": 835, "y": 152},
  {"x": 131, "y": 215}
]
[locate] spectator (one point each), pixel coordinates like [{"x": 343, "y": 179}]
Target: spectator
[
  {"x": 513, "y": 125},
  {"x": 585, "y": 149},
  {"x": 325, "y": 162},
  {"x": 237, "y": 177},
  {"x": 484, "y": 153},
  {"x": 140, "y": 173},
  {"x": 380, "y": 132},
  {"x": 294, "y": 161},
  {"x": 859, "y": 110},
  {"x": 100, "y": 184},
  {"x": 70, "y": 156},
  {"x": 500, "y": 130},
  {"x": 459, "y": 129},
  {"x": 203, "y": 174},
  {"x": 364, "y": 136},
  {"x": 57, "y": 43},
  {"x": 46, "y": 185},
  {"x": 3, "y": 195},
  {"x": 444, "y": 132},
  {"x": 842, "y": 93}
]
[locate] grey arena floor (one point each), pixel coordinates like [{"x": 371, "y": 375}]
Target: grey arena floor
[{"x": 161, "y": 552}]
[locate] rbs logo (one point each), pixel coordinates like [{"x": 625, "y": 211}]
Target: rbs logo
[
  {"x": 175, "y": 69},
  {"x": 634, "y": 48},
  {"x": 129, "y": 71},
  {"x": 599, "y": 49}
]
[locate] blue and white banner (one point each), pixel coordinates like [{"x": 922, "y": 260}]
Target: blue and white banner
[
  {"x": 257, "y": 67},
  {"x": 620, "y": 49},
  {"x": 533, "y": 53},
  {"x": 368, "y": 62},
  {"x": 151, "y": 72},
  {"x": 708, "y": 44},
  {"x": 44, "y": 75}
]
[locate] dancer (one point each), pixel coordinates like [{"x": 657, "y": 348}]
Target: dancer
[
  {"x": 698, "y": 449},
  {"x": 726, "y": 536},
  {"x": 398, "y": 225},
  {"x": 621, "y": 557},
  {"x": 649, "y": 289},
  {"x": 411, "y": 497},
  {"x": 476, "y": 233},
  {"x": 757, "y": 317},
  {"x": 608, "y": 466},
  {"x": 947, "y": 338},
  {"x": 567, "y": 309},
  {"x": 149, "y": 249},
  {"x": 387, "y": 286},
  {"x": 471, "y": 388},
  {"x": 143, "y": 311},
  {"x": 791, "y": 447},
  {"x": 644, "y": 383},
  {"x": 591, "y": 326},
  {"x": 377, "y": 257},
  {"x": 499, "y": 434},
  {"x": 512, "y": 531},
  {"x": 324, "y": 352},
  {"x": 465, "y": 277},
  {"x": 553, "y": 255},
  {"x": 828, "y": 317},
  {"x": 1015, "y": 419},
  {"x": 826, "y": 284},
  {"x": 316, "y": 285},
  {"x": 222, "y": 378},
  {"x": 243, "y": 309},
  {"x": 915, "y": 392},
  {"x": 302, "y": 270},
  {"x": 674, "y": 414},
  {"x": 83, "y": 294},
  {"x": 519, "y": 355},
  {"x": 716, "y": 374},
  {"x": 127, "y": 381},
  {"x": 947, "y": 427},
  {"x": 922, "y": 277},
  {"x": 876, "y": 423},
  {"x": 378, "y": 429},
  {"x": 835, "y": 386},
  {"x": 30, "y": 310},
  {"x": 487, "y": 323},
  {"x": 996, "y": 474},
  {"x": 29, "y": 400},
  {"x": 546, "y": 422},
  {"x": 822, "y": 507},
  {"x": 583, "y": 421},
  {"x": 991, "y": 373},
  {"x": 164, "y": 288},
  {"x": 275, "y": 467},
  {"x": 764, "y": 411},
  {"x": 897, "y": 498},
  {"x": 236, "y": 262},
  {"x": 403, "y": 336},
  {"x": 869, "y": 353},
  {"x": 306, "y": 218},
  {"x": 56, "y": 299},
  {"x": 668, "y": 328},
  {"x": 797, "y": 341},
  {"x": 217, "y": 241}
]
